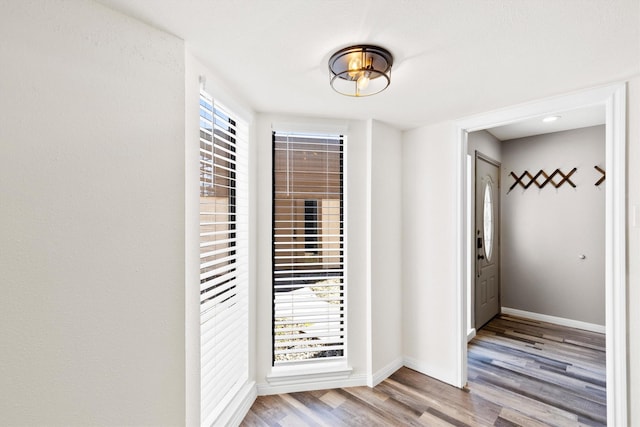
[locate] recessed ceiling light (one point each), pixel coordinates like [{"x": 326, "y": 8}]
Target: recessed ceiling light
[{"x": 550, "y": 119}]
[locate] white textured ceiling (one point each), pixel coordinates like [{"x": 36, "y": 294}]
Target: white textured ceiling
[
  {"x": 573, "y": 119},
  {"x": 453, "y": 58}
]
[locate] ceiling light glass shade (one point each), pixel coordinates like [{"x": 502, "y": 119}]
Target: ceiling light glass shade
[{"x": 361, "y": 70}]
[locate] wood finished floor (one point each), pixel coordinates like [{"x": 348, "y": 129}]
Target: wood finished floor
[{"x": 521, "y": 373}]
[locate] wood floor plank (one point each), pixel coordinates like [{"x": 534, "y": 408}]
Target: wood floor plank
[
  {"x": 566, "y": 372},
  {"x": 444, "y": 399},
  {"x": 310, "y": 417},
  {"x": 400, "y": 412},
  {"x": 564, "y": 376},
  {"x": 521, "y": 372},
  {"x": 333, "y": 398},
  {"x": 253, "y": 420},
  {"x": 519, "y": 419},
  {"x": 431, "y": 420},
  {"x": 270, "y": 409},
  {"x": 312, "y": 400},
  {"x": 539, "y": 411},
  {"x": 355, "y": 412},
  {"x": 429, "y": 404}
]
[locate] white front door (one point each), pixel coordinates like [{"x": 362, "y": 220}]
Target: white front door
[{"x": 487, "y": 240}]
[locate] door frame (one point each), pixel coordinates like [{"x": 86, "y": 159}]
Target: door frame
[{"x": 613, "y": 98}]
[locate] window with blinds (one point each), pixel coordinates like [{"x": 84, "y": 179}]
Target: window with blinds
[
  {"x": 308, "y": 248},
  {"x": 223, "y": 257}
]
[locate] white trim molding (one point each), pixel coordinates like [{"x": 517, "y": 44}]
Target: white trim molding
[
  {"x": 471, "y": 334},
  {"x": 294, "y": 380},
  {"x": 616, "y": 256},
  {"x": 293, "y": 385},
  {"x": 427, "y": 369},
  {"x": 384, "y": 373},
  {"x": 235, "y": 412},
  {"x": 313, "y": 375},
  {"x": 577, "y": 324},
  {"x": 613, "y": 98}
]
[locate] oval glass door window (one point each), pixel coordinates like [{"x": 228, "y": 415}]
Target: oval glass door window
[{"x": 488, "y": 221}]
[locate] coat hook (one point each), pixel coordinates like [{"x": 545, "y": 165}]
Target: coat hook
[
  {"x": 533, "y": 179},
  {"x": 602, "y": 178}
]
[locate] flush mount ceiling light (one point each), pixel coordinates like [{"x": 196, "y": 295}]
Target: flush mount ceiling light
[{"x": 361, "y": 70}]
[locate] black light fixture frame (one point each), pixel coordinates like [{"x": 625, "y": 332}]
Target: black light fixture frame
[{"x": 374, "y": 62}]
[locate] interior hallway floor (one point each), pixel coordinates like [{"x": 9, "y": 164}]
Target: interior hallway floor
[{"x": 521, "y": 373}]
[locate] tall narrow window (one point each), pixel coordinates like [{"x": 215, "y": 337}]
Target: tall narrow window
[
  {"x": 223, "y": 257},
  {"x": 308, "y": 248}
]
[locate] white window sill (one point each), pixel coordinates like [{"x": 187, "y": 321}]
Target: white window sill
[{"x": 309, "y": 372}]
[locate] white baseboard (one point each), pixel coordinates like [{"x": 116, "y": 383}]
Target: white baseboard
[
  {"x": 385, "y": 372},
  {"x": 239, "y": 406},
  {"x": 553, "y": 319},
  {"x": 423, "y": 368},
  {"x": 471, "y": 334}
]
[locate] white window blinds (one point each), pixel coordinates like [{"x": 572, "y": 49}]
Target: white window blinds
[
  {"x": 308, "y": 248},
  {"x": 223, "y": 257}
]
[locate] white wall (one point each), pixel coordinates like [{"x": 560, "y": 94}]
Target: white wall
[
  {"x": 385, "y": 287},
  {"x": 92, "y": 236},
  {"x": 430, "y": 328},
  {"x": 545, "y": 231}
]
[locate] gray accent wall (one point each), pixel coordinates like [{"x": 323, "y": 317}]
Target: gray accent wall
[{"x": 545, "y": 232}]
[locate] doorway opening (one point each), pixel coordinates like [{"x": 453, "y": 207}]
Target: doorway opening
[
  {"x": 540, "y": 318},
  {"x": 612, "y": 99}
]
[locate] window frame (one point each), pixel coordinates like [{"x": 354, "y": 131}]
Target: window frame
[{"x": 336, "y": 365}]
